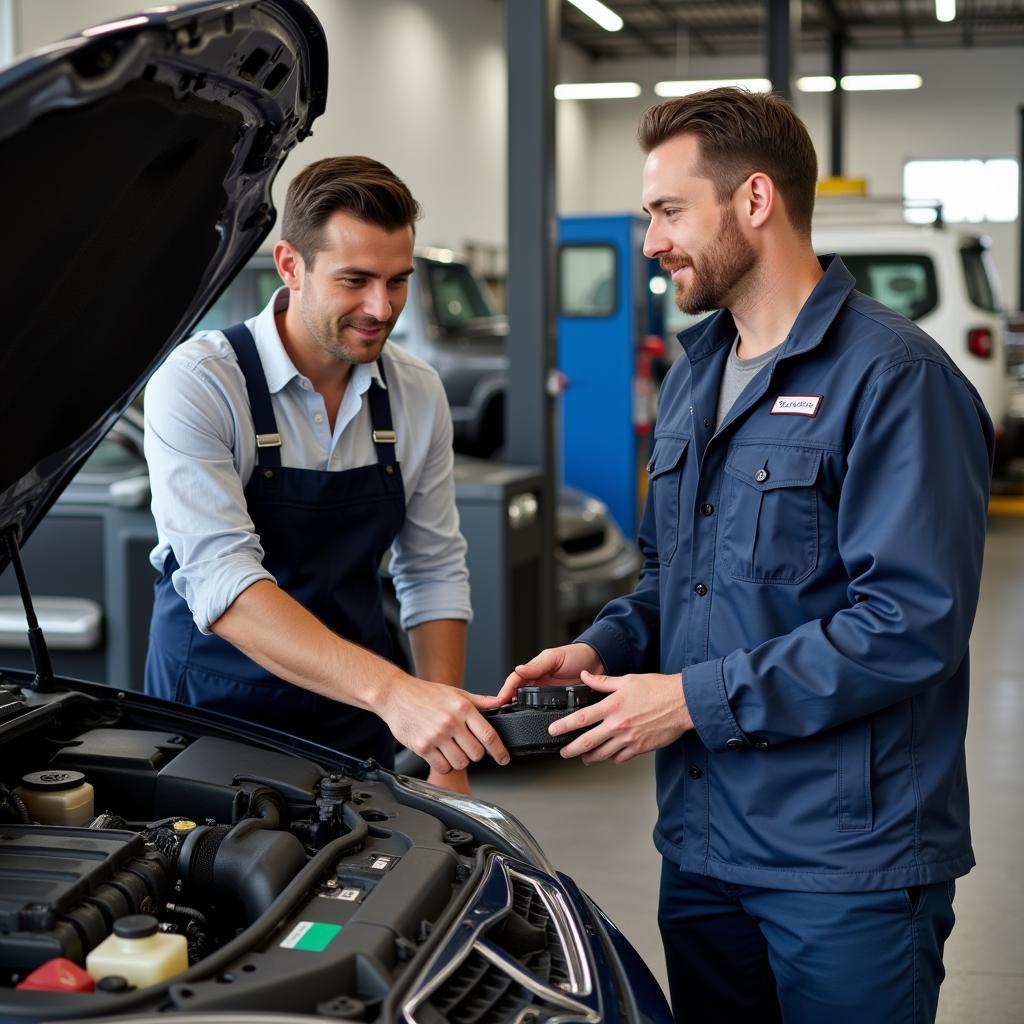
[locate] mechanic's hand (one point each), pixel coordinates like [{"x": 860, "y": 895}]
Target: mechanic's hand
[
  {"x": 454, "y": 782},
  {"x": 556, "y": 666},
  {"x": 441, "y": 724},
  {"x": 641, "y": 713}
]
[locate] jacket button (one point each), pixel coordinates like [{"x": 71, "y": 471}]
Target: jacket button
[
  {"x": 706, "y": 509},
  {"x": 734, "y": 744},
  {"x": 760, "y": 743},
  {"x": 761, "y": 475},
  {"x": 707, "y": 422},
  {"x": 700, "y": 589},
  {"x": 695, "y": 772},
  {"x": 389, "y": 469},
  {"x": 269, "y": 474}
]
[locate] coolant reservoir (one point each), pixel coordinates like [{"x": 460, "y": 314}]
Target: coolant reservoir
[
  {"x": 57, "y": 797},
  {"x": 139, "y": 952}
]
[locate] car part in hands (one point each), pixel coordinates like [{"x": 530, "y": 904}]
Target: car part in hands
[{"x": 523, "y": 724}]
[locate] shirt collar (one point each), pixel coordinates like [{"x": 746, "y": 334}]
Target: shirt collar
[
  {"x": 278, "y": 367},
  {"x": 815, "y": 316}
]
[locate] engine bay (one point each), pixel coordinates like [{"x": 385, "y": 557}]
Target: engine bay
[{"x": 292, "y": 886}]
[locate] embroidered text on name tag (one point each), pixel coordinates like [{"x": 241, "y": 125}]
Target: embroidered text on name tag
[{"x": 797, "y": 405}]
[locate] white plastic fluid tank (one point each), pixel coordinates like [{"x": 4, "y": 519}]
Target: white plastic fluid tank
[
  {"x": 138, "y": 952},
  {"x": 57, "y": 797}
]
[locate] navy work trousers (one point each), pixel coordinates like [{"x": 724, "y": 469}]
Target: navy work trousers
[{"x": 802, "y": 957}]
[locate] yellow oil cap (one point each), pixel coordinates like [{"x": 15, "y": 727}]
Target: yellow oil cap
[{"x": 183, "y": 826}]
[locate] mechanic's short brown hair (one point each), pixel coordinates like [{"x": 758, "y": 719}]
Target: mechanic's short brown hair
[
  {"x": 740, "y": 132},
  {"x": 360, "y": 186}
]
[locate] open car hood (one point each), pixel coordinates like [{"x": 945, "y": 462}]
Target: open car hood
[{"x": 137, "y": 158}]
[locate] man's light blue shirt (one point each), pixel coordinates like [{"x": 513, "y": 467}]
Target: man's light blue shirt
[{"x": 201, "y": 449}]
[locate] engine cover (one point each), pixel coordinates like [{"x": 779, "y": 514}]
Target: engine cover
[{"x": 61, "y": 889}]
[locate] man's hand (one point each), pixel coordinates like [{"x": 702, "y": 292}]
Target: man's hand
[
  {"x": 641, "y": 713},
  {"x": 441, "y": 724},
  {"x": 557, "y": 666},
  {"x": 454, "y": 782}
]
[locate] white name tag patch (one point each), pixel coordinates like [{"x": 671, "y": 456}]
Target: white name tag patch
[{"x": 796, "y": 405}]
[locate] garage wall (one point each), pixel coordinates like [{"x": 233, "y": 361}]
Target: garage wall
[
  {"x": 966, "y": 107},
  {"x": 418, "y": 84}
]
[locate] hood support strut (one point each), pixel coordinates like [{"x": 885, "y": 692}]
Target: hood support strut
[{"x": 43, "y": 682}]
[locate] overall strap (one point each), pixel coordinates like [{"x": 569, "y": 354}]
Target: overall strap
[
  {"x": 268, "y": 440},
  {"x": 384, "y": 436}
]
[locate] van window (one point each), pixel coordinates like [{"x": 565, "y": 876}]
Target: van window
[
  {"x": 979, "y": 284},
  {"x": 905, "y": 283}
]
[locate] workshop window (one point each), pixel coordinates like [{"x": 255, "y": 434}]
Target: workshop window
[
  {"x": 970, "y": 191},
  {"x": 587, "y": 275}
]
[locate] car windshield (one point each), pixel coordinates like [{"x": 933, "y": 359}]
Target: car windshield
[{"x": 457, "y": 296}]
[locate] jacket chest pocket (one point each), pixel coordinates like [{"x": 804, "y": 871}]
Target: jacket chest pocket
[
  {"x": 770, "y": 525},
  {"x": 666, "y": 481}
]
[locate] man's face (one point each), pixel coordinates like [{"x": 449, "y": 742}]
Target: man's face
[
  {"x": 694, "y": 237},
  {"x": 351, "y": 297}
]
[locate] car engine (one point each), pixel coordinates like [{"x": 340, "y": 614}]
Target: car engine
[{"x": 293, "y": 887}]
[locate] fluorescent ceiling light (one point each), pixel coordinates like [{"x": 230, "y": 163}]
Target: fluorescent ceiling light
[
  {"x": 945, "y": 10},
  {"x": 871, "y": 83},
  {"x": 816, "y": 83},
  {"x": 597, "y": 91},
  {"x": 685, "y": 88},
  {"x": 604, "y": 16}
]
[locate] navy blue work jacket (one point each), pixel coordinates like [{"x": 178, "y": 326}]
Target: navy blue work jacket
[{"x": 812, "y": 568}]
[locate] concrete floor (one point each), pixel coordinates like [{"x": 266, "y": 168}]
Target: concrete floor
[{"x": 595, "y": 823}]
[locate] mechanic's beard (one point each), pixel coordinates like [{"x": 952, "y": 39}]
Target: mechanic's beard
[
  {"x": 718, "y": 272},
  {"x": 329, "y": 335}
]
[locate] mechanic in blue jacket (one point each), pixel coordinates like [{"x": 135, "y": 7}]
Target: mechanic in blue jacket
[{"x": 796, "y": 647}]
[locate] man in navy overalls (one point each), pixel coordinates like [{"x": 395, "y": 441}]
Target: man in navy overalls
[
  {"x": 287, "y": 455},
  {"x": 796, "y": 648}
]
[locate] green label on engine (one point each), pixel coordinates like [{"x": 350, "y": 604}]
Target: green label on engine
[{"x": 314, "y": 936}]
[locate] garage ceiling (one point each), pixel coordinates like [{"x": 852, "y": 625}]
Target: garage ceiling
[{"x": 666, "y": 28}]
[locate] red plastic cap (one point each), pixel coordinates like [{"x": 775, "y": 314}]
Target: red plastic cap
[{"x": 59, "y": 975}]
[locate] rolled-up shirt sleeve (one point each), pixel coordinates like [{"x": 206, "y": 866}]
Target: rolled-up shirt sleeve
[
  {"x": 428, "y": 558},
  {"x": 198, "y": 491}
]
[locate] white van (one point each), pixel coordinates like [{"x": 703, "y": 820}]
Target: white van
[{"x": 940, "y": 277}]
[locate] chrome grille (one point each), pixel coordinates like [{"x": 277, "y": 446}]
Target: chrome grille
[{"x": 516, "y": 955}]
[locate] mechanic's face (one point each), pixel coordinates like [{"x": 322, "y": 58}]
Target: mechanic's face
[
  {"x": 352, "y": 295},
  {"x": 694, "y": 236}
]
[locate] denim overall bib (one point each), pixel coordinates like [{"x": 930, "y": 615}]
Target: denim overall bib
[{"x": 323, "y": 535}]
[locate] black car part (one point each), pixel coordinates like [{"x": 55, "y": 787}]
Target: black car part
[
  {"x": 523, "y": 724},
  {"x": 62, "y": 888}
]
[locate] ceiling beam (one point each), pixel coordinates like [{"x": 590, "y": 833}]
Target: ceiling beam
[
  {"x": 831, "y": 17},
  {"x": 908, "y": 35},
  {"x": 658, "y": 49},
  {"x": 676, "y": 21}
]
